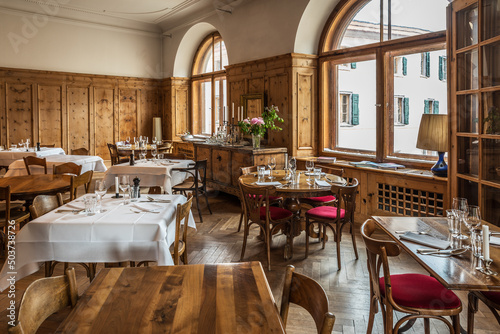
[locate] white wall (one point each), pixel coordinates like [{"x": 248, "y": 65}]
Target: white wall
[{"x": 42, "y": 42}]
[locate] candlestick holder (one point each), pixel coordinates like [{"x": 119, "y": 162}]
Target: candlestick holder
[
  {"x": 485, "y": 268},
  {"x": 117, "y": 196}
]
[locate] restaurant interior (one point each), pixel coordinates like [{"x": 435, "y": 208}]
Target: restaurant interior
[{"x": 250, "y": 166}]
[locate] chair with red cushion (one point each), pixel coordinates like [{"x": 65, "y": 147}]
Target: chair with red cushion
[
  {"x": 272, "y": 199},
  {"x": 322, "y": 200},
  {"x": 335, "y": 217},
  {"x": 420, "y": 296},
  {"x": 492, "y": 301},
  {"x": 259, "y": 211}
]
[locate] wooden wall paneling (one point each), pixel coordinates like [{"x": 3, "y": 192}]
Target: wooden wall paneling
[
  {"x": 221, "y": 164},
  {"x": 49, "y": 122},
  {"x": 128, "y": 114},
  {"x": 138, "y": 117},
  {"x": 278, "y": 95},
  {"x": 78, "y": 117},
  {"x": 182, "y": 123},
  {"x": 149, "y": 109},
  {"x": 239, "y": 160},
  {"x": 104, "y": 120},
  {"x": 3, "y": 115},
  {"x": 236, "y": 89},
  {"x": 167, "y": 113},
  {"x": 256, "y": 86},
  {"x": 205, "y": 153},
  {"x": 305, "y": 117},
  {"x": 19, "y": 106}
]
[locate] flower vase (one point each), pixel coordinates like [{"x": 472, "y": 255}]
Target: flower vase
[{"x": 256, "y": 141}]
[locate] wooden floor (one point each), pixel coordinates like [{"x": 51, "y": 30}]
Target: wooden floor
[{"x": 216, "y": 241}]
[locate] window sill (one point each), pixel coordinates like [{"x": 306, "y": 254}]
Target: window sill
[
  {"x": 400, "y": 124},
  {"x": 345, "y": 125}
]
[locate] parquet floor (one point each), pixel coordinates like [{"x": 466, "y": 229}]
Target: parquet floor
[{"x": 216, "y": 241}]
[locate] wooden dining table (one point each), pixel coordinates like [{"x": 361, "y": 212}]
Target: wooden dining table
[
  {"x": 454, "y": 272},
  {"x": 27, "y": 187},
  {"x": 211, "y": 298}
]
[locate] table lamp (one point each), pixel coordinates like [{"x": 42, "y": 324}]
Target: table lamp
[
  {"x": 157, "y": 128},
  {"x": 433, "y": 136}
]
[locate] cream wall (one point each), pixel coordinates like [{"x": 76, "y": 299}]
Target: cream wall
[{"x": 47, "y": 43}]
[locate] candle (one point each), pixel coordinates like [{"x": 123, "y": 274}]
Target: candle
[
  {"x": 241, "y": 112},
  {"x": 486, "y": 242},
  {"x": 223, "y": 114},
  {"x": 233, "y": 110},
  {"x": 117, "y": 184}
]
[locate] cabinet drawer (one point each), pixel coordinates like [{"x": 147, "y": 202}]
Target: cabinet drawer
[{"x": 221, "y": 166}]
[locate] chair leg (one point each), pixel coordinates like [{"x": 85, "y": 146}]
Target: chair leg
[
  {"x": 371, "y": 316},
  {"x": 322, "y": 234},
  {"x": 198, "y": 205},
  {"x": 307, "y": 236},
  {"x": 241, "y": 221},
  {"x": 455, "y": 319},
  {"x": 268, "y": 248},
  {"x": 245, "y": 235},
  {"x": 471, "y": 310},
  {"x": 427, "y": 329},
  {"x": 206, "y": 200},
  {"x": 337, "y": 241},
  {"x": 353, "y": 236}
]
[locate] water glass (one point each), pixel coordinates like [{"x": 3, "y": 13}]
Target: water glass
[
  {"x": 476, "y": 242},
  {"x": 100, "y": 190},
  {"x": 90, "y": 204},
  {"x": 317, "y": 174},
  {"x": 260, "y": 173},
  {"x": 160, "y": 156},
  {"x": 452, "y": 222},
  {"x": 124, "y": 187},
  {"x": 295, "y": 178},
  {"x": 134, "y": 194},
  {"x": 309, "y": 167}
]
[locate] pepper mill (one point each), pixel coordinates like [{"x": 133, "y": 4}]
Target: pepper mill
[
  {"x": 132, "y": 162},
  {"x": 38, "y": 146},
  {"x": 136, "y": 191}
]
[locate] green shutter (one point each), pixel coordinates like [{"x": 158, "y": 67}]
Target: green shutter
[
  {"x": 353, "y": 65},
  {"x": 427, "y": 64},
  {"x": 435, "y": 107},
  {"x": 441, "y": 74},
  {"x": 426, "y": 106},
  {"x": 406, "y": 110},
  {"x": 355, "y": 109},
  {"x": 405, "y": 66}
]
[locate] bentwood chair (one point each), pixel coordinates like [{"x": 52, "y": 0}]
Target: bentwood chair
[
  {"x": 165, "y": 147},
  {"x": 9, "y": 214},
  {"x": 420, "y": 296},
  {"x": 155, "y": 190},
  {"x": 80, "y": 151},
  {"x": 81, "y": 180},
  {"x": 259, "y": 211},
  {"x": 196, "y": 183},
  {"x": 67, "y": 168},
  {"x": 45, "y": 203},
  {"x": 307, "y": 293},
  {"x": 35, "y": 161},
  {"x": 43, "y": 298},
  {"x": 323, "y": 200},
  {"x": 335, "y": 217},
  {"x": 273, "y": 199},
  {"x": 492, "y": 301},
  {"x": 115, "y": 157}
]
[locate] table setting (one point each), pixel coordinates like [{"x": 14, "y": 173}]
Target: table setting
[{"x": 9, "y": 156}]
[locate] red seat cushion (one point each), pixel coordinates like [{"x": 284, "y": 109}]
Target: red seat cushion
[
  {"x": 492, "y": 295},
  {"x": 325, "y": 212},
  {"x": 420, "y": 291},
  {"x": 322, "y": 199},
  {"x": 275, "y": 212}
]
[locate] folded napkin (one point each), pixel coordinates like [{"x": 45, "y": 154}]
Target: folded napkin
[
  {"x": 166, "y": 164},
  {"x": 143, "y": 206},
  {"x": 322, "y": 183},
  {"x": 336, "y": 181},
  {"x": 74, "y": 205},
  {"x": 274, "y": 183},
  {"x": 495, "y": 241},
  {"x": 312, "y": 173},
  {"x": 426, "y": 240}
]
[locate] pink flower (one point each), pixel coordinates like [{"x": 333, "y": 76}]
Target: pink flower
[
  {"x": 246, "y": 120},
  {"x": 257, "y": 121}
]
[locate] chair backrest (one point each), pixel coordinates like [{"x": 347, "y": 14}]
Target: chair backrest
[
  {"x": 248, "y": 170},
  {"x": 44, "y": 297},
  {"x": 155, "y": 190},
  {"x": 200, "y": 167},
  {"x": 5, "y": 196},
  {"x": 45, "y": 203},
  {"x": 47, "y": 145},
  {"x": 180, "y": 156},
  {"x": 80, "y": 151},
  {"x": 165, "y": 146},
  {"x": 113, "y": 153},
  {"x": 80, "y": 180},
  {"x": 331, "y": 170},
  {"x": 182, "y": 214},
  {"x": 377, "y": 253},
  {"x": 255, "y": 197},
  {"x": 35, "y": 161},
  {"x": 67, "y": 168},
  {"x": 307, "y": 293},
  {"x": 347, "y": 198}
]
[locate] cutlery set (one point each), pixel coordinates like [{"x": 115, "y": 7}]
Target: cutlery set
[{"x": 449, "y": 252}]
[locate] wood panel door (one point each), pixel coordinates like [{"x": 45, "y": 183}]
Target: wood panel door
[
  {"x": 19, "y": 113},
  {"x": 50, "y": 115},
  {"x": 128, "y": 115},
  {"x": 104, "y": 120},
  {"x": 79, "y": 117}
]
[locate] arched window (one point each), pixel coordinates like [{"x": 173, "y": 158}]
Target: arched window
[
  {"x": 383, "y": 64},
  {"x": 209, "y": 84}
]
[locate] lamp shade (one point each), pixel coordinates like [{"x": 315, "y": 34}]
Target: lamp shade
[
  {"x": 433, "y": 133},
  {"x": 157, "y": 128}
]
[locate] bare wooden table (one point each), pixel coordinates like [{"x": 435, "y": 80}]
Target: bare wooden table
[
  {"x": 212, "y": 298},
  {"x": 454, "y": 272},
  {"x": 27, "y": 187}
]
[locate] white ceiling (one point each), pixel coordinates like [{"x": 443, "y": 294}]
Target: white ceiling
[{"x": 149, "y": 15}]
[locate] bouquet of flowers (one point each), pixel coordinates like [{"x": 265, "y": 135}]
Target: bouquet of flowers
[{"x": 259, "y": 125}]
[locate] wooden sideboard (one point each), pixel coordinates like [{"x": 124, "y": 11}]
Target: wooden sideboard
[
  {"x": 224, "y": 163},
  {"x": 402, "y": 192},
  {"x": 183, "y": 147}
]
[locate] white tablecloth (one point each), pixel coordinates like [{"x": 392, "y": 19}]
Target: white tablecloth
[
  {"x": 150, "y": 173},
  {"x": 9, "y": 156},
  {"x": 88, "y": 162},
  {"x": 119, "y": 234}
]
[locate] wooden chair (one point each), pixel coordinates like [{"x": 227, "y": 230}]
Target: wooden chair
[
  {"x": 115, "y": 157},
  {"x": 67, "y": 168},
  {"x": 259, "y": 211},
  {"x": 335, "y": 217},
  {"x": 43, "y": 298},
  {"x": 196, "y": 183},
  {"x": 80, "y": 151},
  {"x": 420, "y": 296},
  {"x": 8, "y": 215},
  {"x": 307, "y": 293},
  {"x": 179, "y": 249},
  {"x": 45, "y": 203},
  {"x": 492, "y": 301},
  {"x": 35, "y": 161},
  {"x": 78, "y": 181},
  {"x": 180, "y": 156},
  {"x": 165, "y": 147},
  {"x": 155, "y": 190},
  {"x": 273, "y": 199},
  {"x": 322, "y": 200}
]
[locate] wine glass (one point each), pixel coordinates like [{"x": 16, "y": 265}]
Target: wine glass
[
  {"x": 144, "y": 151},
  {"x": 272, "y": 164},
  {"x": 154, "y": 140},
  {"x": 154, "y": 151},
  {"x": 309, "y": 167},
  {"x": 473, "y": 220},
  {"x": 124, "y": 187},
  {"x": 460, "y": 210},
  {"x": 128, "y": 141},
  {"x": 100, "y": 191},
  {"x": 292, "y": 164}
]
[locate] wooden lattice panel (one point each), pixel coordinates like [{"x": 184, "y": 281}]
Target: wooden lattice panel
[{"x": 404, "y": 201}]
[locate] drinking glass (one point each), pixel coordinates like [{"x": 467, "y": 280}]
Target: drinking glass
[
  {"x": 272, "y": 164},
  {"x": 460, "y": 209},
  {"x": 100, "y": 191},
  {"x": 309, "y": 167},
  {"x": 317, "y": 174},
  {"x": 144, "y": 151},
  {"x": 154, "y": 151},
  {"x": 128, "y": 141},
  {"x": 154, "y": 140},
  {"x": 260, "y": 173},
  {"x": 90, "y": 205},
  {"x": 292, "y": 164},
  {"x": 124, "y": 187},
  {"x": 160, "y": 156}
]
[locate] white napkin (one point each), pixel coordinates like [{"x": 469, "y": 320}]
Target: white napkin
[
  {"x": 146, "y": 206},
  {"x": 495, "y": 241},
  {"x": 322, "y": 183},
  {"x": 74, "y": 205},
  {"x": 273, "y": 183},
  {"x": 426, "y": 240}
]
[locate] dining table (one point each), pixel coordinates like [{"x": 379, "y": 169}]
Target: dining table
[
  {"x": 293, "y": 192},
  {"x": 151, "y": 173},
  {"x": 138, "y": 231},
  {"x": 10, "y": 155},
  {"x": 27, "y": 187},
  {"x": 196, "y": 298},
  {"x": 88, "y": 162},
  {"x": 456, "y": 272}
]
